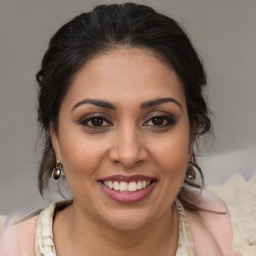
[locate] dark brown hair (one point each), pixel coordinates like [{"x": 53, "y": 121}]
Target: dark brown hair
[{"x": 103, "y": 29}]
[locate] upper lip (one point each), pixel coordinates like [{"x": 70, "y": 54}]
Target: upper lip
[{"x": 127, "y": 178}]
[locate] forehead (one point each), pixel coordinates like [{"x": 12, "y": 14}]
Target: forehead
[{"x": 132, "y": 74}]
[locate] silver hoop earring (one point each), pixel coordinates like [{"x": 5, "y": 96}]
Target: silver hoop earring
[{"x": 57, "y": 171}]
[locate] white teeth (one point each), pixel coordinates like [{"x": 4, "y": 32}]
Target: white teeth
[
  {"x": 116, "y": 185},
  {"x": 139, "y": 185},
  {"x": 110, "y": 184},
  {"x": 125, "y": 186},
  {"x": 132, "y": 186}
]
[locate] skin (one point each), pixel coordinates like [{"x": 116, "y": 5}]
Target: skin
[{"x": 127, "y": 143}]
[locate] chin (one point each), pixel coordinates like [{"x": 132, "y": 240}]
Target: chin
[
  {"x": 128, "y": 219},
  {"x": 124, "y": 224}
]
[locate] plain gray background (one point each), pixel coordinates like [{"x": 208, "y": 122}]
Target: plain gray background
[{"x": 223, "y": 32}]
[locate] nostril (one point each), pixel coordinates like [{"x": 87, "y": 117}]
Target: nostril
[{"x": 128, "y": 151}]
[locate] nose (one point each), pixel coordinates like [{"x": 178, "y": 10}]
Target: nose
[{"x": 128, "y": 149}]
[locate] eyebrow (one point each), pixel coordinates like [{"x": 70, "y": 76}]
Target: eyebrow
[
  {"x": 144, "y": 105},
  {"x": 100, "y": 103},
  {"x": 160, "y": 101}
]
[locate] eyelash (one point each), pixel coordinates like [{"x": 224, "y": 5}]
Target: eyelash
[
  {"x": 88, "y": 118},
  {"x": 168, "y": 119}
]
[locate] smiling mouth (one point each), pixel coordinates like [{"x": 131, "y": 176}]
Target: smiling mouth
[
  {"x": 127, "y": 184},
  {"x": 127, "y": 187}
]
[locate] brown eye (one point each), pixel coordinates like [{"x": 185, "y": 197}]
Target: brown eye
[
  {"x": 157, "y": 120},
  {"x": 161, "y": 121},
  {"x": 97, "y": 121}
]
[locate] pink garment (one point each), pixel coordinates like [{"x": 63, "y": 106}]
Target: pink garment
[
  {"x": 18, "y": 239},
  {"x": 212, "y": 232}
]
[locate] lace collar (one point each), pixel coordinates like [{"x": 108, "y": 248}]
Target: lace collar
[{"x": 44, "y": 244}]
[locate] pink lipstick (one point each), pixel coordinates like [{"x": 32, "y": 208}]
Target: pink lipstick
[{"x": 127, "y": 189}]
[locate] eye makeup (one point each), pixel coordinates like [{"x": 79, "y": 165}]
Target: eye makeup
[{"x": 95, "y": 121}]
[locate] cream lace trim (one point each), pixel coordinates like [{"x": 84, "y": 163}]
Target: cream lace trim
[
  {"x": 185, "y": 243},
  {"x": 44, "y": 245}
]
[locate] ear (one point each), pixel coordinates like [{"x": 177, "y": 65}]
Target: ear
[
  {"x": 193, "y": 131},
  {"x": 194, "y": 128},
  {"x": 55, "y": 142}
]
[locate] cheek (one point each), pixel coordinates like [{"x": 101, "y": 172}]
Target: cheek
[
  {"x": 81, "y": 156},
  {"x": 173, "y": 162},
  {"x": 172, "y": 155},
  {"x": 81, "y": 162}
]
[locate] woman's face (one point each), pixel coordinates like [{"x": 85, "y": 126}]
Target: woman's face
[{"x": 124, "y": 138}]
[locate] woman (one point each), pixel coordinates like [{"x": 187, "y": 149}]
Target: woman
[{"x": 121, "y": 106}]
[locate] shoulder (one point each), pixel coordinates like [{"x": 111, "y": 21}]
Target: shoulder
[
  {"x": 2, "y": 218},
  {"x": 240, "y": 197},
  {"x": 23, "y": 234},
  {"x": 17, "y": 238},
  {"x": 211, "y": 227}
]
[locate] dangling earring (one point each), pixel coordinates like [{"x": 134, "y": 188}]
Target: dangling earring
[
  {"x": 191, "y": 173},
  {"x": 57, "y": 171}
]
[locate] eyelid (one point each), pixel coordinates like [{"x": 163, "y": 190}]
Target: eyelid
[
  {"x": 167, "y": 116},
  {"x": 159, "y": 113},
  {"x": 88, "y": 117}
]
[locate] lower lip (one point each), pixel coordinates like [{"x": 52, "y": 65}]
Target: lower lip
[{"x": 130, "y": 197}]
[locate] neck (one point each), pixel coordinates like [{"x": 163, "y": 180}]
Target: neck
[{"x": 85, "y": 236}]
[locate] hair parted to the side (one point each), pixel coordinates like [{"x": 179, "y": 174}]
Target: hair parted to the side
[{"x": 108, "y": 27}]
